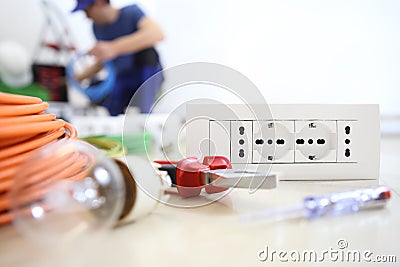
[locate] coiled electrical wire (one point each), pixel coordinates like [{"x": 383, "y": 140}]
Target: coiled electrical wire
[{"x": 24, "y": 128}]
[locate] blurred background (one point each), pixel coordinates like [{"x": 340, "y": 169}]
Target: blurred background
[{"x": 310, "y": 51}]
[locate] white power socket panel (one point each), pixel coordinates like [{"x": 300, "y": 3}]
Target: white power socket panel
[
  {"x": 300, "y": 142},
  {"x": 279, "y": 149}
]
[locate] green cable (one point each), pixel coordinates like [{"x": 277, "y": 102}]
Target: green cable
[
  {"x": 111, "y": 147},
  {"x": 118, "y": 145}
]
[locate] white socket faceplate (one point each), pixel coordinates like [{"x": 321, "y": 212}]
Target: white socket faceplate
[{"x": 300, "y": 142}]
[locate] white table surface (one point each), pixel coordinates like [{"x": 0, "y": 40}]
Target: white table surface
[{"x": 212, "y": 235}]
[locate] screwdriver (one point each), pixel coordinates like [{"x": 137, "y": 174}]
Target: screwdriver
[{"x": 334, "y": 204}]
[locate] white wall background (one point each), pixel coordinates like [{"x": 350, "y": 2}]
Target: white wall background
[{"x": 309, "y": 51}]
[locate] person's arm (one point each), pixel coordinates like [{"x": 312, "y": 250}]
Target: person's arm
[
  {"x": 89, "y": 71},
  {"x": 147, "y": 35}
]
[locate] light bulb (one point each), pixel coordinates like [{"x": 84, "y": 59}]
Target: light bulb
[{"x": 65, "y": 190}]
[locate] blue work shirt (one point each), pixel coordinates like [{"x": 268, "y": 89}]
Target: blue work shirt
[
  {"x": 132, "y": 70},
  {"x": 125, "y": 24}
]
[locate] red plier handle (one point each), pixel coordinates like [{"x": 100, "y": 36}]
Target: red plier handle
[
  {"x": 215, "y": 175},
  {"x": 188, "y": 174}
]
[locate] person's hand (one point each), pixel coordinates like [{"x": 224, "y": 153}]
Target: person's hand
[
  {"x": 80, "y": 77},
  {"x": 89, "y": 71},
  {"x": 103, "y": 51}
]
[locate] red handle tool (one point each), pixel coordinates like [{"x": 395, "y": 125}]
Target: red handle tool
[
  {"x": 190, "y": 174},
  {"x": 214, "y": 174}
]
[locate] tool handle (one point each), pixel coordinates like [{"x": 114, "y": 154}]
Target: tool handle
[
  {"x": 190, "y": 172},
  {"x": 346, "y": 202}
]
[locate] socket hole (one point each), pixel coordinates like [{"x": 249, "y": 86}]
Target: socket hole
[
  {"x": 269, "y": 142},
  {"x": 311, "y": 157},
  {"x": 280, "y": 141},
  {"x": 241, "y": 142},
  {"x": 259, "y": 141},
  {"x": 300, "y": 141},
  {"x": 347, "y": 152},
  {"x": 347, "y": 129},
  {"x": 241, "y": 130},
  {"x": 310, "y": 141},
  {"x": 241, "y": 153},
  {"x": 321, "y": 141},
  {"x": 347, "y": 141}
]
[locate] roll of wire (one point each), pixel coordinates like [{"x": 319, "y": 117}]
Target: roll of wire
[
  {"x": 24, "y": 128},
  {"x": 46, "y": 174}
]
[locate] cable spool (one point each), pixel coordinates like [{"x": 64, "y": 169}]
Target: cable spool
[
  {"x": 95, "y": 93},
  {"x": 24, "y": 128},
  {"x": 55, "y": 188}
]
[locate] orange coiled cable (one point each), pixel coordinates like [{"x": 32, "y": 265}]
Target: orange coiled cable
[{"x": 24, "y": 128}]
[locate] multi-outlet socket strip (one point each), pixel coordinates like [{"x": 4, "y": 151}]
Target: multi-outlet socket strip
[{"x": 300, "y": 142}]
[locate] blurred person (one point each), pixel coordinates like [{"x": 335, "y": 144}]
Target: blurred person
[{"x": 127, "y": 37}]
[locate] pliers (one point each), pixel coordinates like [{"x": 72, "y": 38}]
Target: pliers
[{"x": 214, "y": 174}]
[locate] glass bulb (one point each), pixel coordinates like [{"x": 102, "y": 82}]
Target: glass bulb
[{"x": 65, "y": 190}]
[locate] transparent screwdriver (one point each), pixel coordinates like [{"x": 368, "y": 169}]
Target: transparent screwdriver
[{"x": 334, "y": 204}]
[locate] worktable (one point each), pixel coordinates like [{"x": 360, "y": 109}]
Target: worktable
[{"x": 213, "y": 235}]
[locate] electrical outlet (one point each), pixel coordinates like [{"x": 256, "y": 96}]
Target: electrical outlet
[
  {"x": 273, "y": 141},
  {"x": 316, "y": 141},
  {"x": 301, "y": 142},
  {"x": 346, "y": 141},
  {"x": 241, "y": 139}
]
